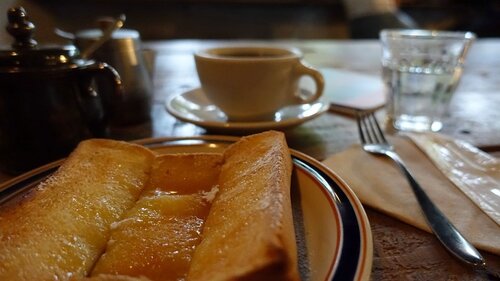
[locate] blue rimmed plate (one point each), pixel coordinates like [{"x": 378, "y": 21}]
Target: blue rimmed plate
[{"x": 333, "y": 233}]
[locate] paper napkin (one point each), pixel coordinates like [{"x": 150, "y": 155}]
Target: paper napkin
[
  {"x": 379, "y": 184},
  {"x": 352, "y": 90},
  {"x": 348, "y": 91},
  {"x": 474, "y": 172}
]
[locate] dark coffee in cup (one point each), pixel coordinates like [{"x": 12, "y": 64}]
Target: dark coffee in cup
[{"x": 250, "y": 55}]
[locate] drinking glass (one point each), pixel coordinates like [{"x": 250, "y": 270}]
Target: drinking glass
[{"x": 421, "y": 70}]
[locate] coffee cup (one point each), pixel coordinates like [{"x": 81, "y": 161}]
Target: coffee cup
[{"x": 252, "y": 83}]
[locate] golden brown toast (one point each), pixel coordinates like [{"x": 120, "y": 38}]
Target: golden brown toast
[
  {"x": 249, "y": 232},
  {"x": 112, "y": 277},
  {"x": 154, "y": 217},
  {"x": 185, "y": 173},
  {"x": 157, "y": 237},
  {"x": 59, "y": 229}
]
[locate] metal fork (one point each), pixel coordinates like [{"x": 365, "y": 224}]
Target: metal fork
[{"x": 374, "y": 141}]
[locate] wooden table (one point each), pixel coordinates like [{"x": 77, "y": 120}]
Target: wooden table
[
  {"x": 401, "y": 252},
  {"x": 473, "y": 114}
]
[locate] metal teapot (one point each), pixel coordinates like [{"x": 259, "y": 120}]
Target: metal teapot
[{"x": 48, "y": 102}]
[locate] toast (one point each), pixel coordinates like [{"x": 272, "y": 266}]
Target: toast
[
  {"x": 112, "y": 277},
  {"x": 157, "y": 237},
  {"x": 184, "y": 173},
  {"x": 169, "y": 217},
  {"x": 249, "y": 234},
  {"x": 60, "y": 228}
]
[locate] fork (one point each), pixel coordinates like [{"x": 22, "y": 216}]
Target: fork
[{"x": 374, "y": 141}]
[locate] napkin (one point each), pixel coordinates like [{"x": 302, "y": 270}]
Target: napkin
[
  {"x": 379, "y": 184},
  {"x": 349, "y": 91},
  {"x": 475, "y": 173}
]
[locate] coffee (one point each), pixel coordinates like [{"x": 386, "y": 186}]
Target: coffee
[
  {"x": 250, "y": 55},
  {"x": 249, "y": 52}
]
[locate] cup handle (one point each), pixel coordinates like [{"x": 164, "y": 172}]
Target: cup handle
[
  {"x": 97, "y": 106},
  {"x": 305, "y": 70}
]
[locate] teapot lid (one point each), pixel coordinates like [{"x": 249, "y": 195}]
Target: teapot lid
[{"x": 25, "y": 52}]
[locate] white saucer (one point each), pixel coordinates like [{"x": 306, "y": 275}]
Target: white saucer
[{"x": 194, "y": 107}]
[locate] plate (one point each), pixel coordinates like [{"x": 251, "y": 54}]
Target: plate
[
  {"x": 194, "y": 107},
  {"x": 333, "y": 233}
]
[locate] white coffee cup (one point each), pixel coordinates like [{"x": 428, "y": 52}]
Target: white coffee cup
[{"x": 252, "y": 83}]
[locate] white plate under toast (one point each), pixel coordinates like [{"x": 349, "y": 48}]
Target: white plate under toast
[{"x": 333, "y": 233}]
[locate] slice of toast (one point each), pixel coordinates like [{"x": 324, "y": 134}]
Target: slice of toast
[
  {"x": 184, "y": 173},
  {"x": 249, "y": 232},
  {"x": 111, "y": 277},
  {"x": 59, "y": 229},
  {"x": 157, "y": 237}
]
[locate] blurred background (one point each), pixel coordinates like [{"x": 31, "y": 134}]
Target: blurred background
[{"x": 261, "y": 19}]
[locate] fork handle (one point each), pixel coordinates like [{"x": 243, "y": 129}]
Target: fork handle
[{"x": 449, "y": 236}]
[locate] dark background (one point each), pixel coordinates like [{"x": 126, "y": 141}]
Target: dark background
[{"x": 259, "y": 19}]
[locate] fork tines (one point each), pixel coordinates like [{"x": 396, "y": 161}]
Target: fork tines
[{"x": 369, "y": 129}]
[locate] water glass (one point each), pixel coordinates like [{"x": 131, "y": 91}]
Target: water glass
[{"x": 421, "y": 70}]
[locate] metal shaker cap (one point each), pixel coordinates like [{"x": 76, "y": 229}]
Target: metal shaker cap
[{"x": 121, "y": 40}]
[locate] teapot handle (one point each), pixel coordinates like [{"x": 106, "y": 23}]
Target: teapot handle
[{"x": 97, "y": 104}]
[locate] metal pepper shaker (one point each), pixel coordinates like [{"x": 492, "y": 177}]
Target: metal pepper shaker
[{"x": 124, "y": 52}]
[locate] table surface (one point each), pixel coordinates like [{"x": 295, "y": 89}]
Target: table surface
[{"x": 401, "y": 252}]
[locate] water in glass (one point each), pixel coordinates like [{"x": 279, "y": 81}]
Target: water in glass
[{"x": 418, "y": 96}]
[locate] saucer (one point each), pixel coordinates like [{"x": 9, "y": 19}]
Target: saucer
[{"x": 194, "y": 107}]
